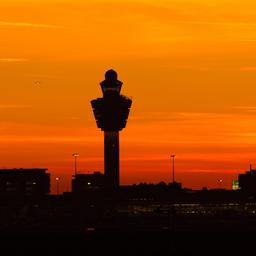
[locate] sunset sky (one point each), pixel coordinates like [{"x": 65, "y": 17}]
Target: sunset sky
[{"x": 189, "y": 66}]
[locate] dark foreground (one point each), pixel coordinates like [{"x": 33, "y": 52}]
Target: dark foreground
[
  {"x": 129, "y": 243},
  {"x": 219, "y": 223}
]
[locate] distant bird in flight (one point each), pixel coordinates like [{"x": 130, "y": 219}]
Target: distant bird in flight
[{"x": 38, "y": 83}]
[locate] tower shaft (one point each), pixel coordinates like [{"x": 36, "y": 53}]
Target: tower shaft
[{"x": 111, "y": 159}]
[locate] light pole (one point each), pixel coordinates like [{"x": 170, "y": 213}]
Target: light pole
[
  {"x": 57, "y": 185},
  {"x": 173, "y": 156},
  {"x": 75, "y": 155}
]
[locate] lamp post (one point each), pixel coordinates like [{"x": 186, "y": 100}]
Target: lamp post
[
  {"x": 57, "y": 185},
  {"x": 75, "y": 155},
  {"x": 173, "y": 156}
]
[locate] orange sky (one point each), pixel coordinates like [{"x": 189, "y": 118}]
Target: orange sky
[{"x": 189, "y": 65}]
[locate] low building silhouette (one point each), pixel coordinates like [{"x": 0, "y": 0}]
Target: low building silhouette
[
  {"x": 247, "y": 181},
  {"x": 87, "y": 182},
  {"x": 24, "y": 182}
]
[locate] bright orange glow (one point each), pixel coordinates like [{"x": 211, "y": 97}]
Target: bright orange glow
[{"x": 190, "y": 67}]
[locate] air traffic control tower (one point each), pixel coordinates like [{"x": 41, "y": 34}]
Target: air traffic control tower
[{"x": 111, "y": 113}]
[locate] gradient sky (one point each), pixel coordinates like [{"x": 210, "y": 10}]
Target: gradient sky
[{"x": 189, "y": 65}]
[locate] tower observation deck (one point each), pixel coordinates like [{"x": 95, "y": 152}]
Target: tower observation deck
[{"x": 111, "y": 113}]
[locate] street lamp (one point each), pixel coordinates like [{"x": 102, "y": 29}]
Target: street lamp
[
  {"x": 57, "y": 185},
  {"x": 173, "y": 156},
  {"x": 75, "y": 155}
]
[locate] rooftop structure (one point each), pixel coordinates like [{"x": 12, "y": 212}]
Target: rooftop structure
[
  {"x": 87, "y": 182},
  {"x": 24, "y": 182}
]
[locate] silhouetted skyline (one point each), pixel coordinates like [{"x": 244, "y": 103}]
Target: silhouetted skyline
[
  {"x": 189, "y": 66},
  {"x": 183, "y": 180}
]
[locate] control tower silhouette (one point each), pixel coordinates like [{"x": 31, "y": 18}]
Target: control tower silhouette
[{"x": 111, "y": 113}]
